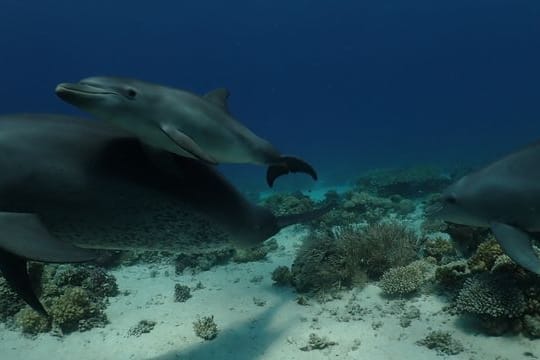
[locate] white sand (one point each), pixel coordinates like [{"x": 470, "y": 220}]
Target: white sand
[{"x": 247, "y": 331}]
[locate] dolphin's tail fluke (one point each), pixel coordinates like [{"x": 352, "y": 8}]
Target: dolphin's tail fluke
[
  {"x": 286, "y": 220},
  {"x": 288, "y": 164}
]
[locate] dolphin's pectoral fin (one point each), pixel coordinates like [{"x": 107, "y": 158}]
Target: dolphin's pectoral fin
[
  {"x": 15, "y": 272},
  {"x": 187, "y": 144},
  {"x": 219, "y": 97},
  {"x": 516, "y": 243},
  {"x": 23, "y": 237},
  {"x": 288, "y": 164}
]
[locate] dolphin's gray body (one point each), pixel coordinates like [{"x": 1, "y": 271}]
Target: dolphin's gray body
[
  {"x": 200, "y": 127},
  {"x": 504, "y": 196},
  {"x": 69, "y": 185}
]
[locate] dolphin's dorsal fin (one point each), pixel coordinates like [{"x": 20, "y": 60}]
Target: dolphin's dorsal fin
[{"x": 219, "y": 97}]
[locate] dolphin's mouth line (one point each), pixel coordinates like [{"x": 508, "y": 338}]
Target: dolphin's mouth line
[{"x": 83, "y": 89}]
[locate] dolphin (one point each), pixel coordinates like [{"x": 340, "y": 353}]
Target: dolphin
[
  {"x": 179, "y": 121},
  {"x": 504, "y": 196},
  {"x": 70, "y": 186}
]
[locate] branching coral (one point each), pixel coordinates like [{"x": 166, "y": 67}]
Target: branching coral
[
  {"x": 329, "y": 261},
  {"x": 386, "y": 245},
  {"x": 491, "y": 295}
]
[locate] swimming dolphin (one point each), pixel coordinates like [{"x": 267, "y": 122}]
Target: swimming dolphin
[
  {"x": 200, "y": 127},
  {"x": 69, "y": 185},
  {"x": 504, "y": 196}
]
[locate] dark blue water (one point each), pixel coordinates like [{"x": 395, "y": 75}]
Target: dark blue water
[{"x": 348, "y": 84}]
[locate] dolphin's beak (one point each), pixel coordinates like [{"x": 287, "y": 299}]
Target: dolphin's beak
[{"x": 78, "y": 94}]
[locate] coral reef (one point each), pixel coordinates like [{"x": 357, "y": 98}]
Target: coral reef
[
  {"x": 385, "y": 245},
  {"x": 466, "y": 238},
  {"x": 71, "y": 310},
  {"x": 282, "y": 275},
  {"x": 32, "y": 323},
  {"x": 283, "y": 203},
  {"x": 319, "y": 265},
  {"x": 74, "y": 295},
  {"x": 345, "y": 257},
  {"x": 491, "y": 295},
  {"x": 142, "y": 327},
  {"x": 256, "y": 253},
  {"x": 409, "y": 182},
  {"x": 496, "y": 300},
  {"x": 10, "y": 302},
  {"x": 181, "y": 293},
  {"x": 451, "y": 276},
  {"x": 441, "y": 249},
  {"x": 404, "y": 280},
  {"x": 316, "y": 342},
  {"x": 206, "y": 328},
  {"x": 531, "y": 325},
  {"x": 485, "y": 256},
  {"x": 202, "y": 262},
  {"x": 442, "y": 342},
  {"x": 90, "y": 278}
]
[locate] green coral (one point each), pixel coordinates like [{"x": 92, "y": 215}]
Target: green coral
[
  {"x": 404, "y": 280},
  {"x": 74, "y": 306},
  {"x": 32, "y": 323},
  {"x": 486, "y": 255}
]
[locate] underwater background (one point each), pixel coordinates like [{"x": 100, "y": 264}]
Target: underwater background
[
  {"x": 347, "y": 85},
  {"x": 369, "y": 93}
]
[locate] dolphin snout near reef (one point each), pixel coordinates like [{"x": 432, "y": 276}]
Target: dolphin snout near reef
[
  {"x": 199, "y": 127},
  {"x": 69, "y": 186},
  {"x": 504, "y": 196}
]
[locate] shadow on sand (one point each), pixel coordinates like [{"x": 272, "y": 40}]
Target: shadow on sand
[{"x": 247, "y": 340}]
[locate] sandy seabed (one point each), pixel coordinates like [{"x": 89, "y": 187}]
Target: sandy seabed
[{"x": 275, "y": 330}]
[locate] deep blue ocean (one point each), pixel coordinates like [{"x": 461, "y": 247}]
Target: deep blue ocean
[{"x": 348, "y": 85}]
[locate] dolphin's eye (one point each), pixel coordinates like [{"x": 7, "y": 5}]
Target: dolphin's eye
[{"x": 131, "y": 93}]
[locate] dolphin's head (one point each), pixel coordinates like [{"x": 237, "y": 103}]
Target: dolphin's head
[
  {"x": 459, "y": 204},
  {"x": 108, "y": 97}
]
